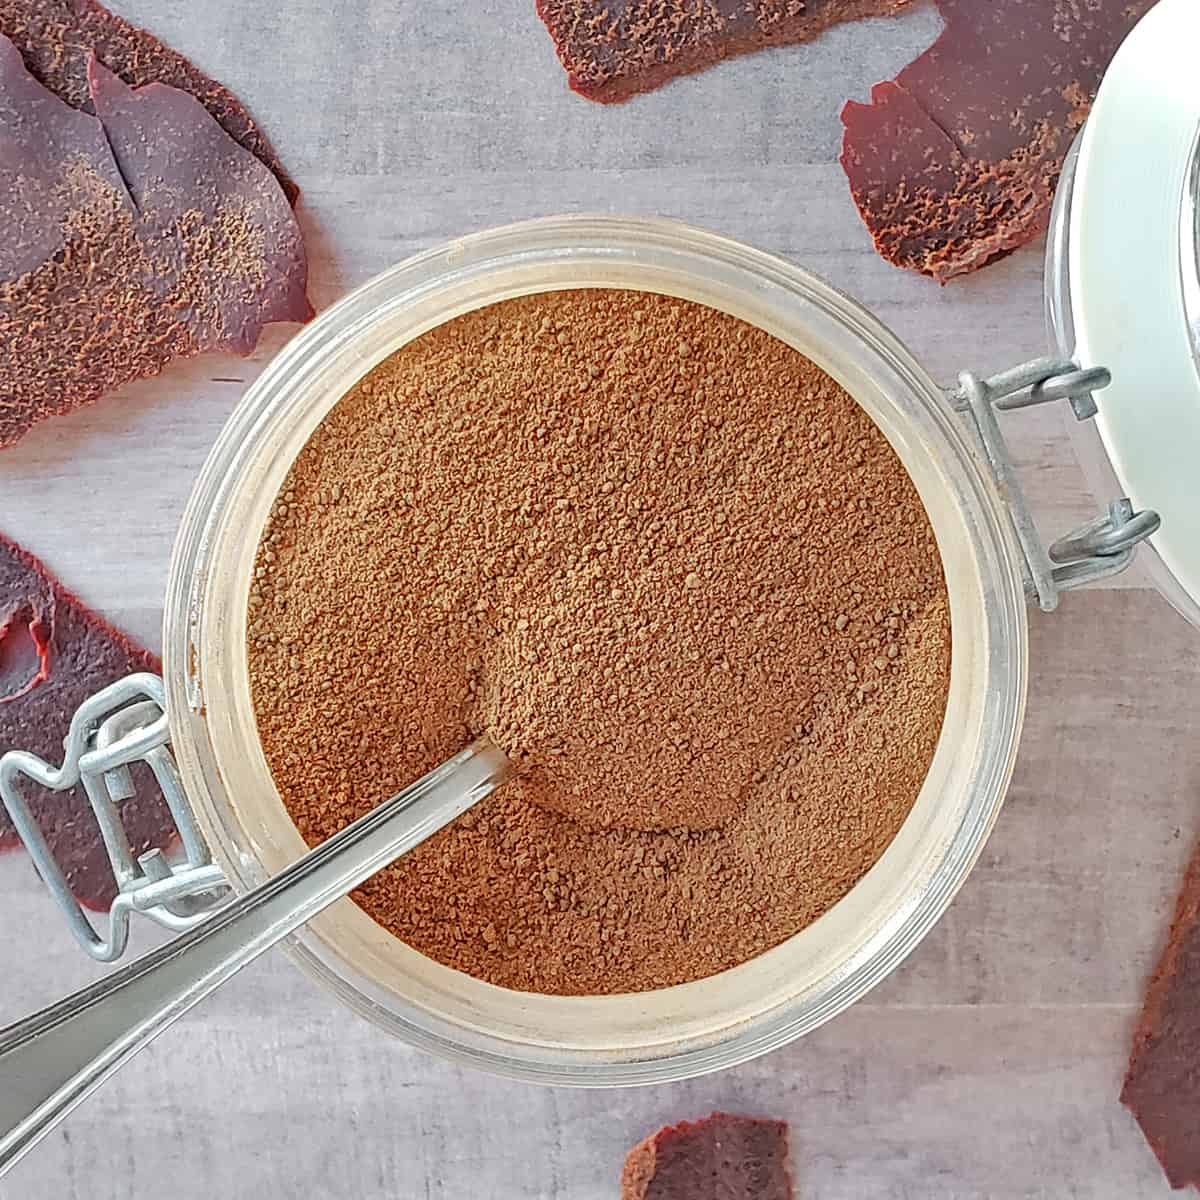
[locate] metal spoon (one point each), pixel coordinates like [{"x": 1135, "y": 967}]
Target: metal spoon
[{"x": 52, "y": 1061}]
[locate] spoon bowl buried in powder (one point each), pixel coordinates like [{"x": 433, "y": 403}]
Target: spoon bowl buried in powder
[
  {"x": 678, "y": 575},
  {"x": 659, "y": 642}
]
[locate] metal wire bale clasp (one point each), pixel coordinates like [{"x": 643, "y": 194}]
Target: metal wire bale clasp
[
  {"x": 1098, "y": 549},
  {"x": 122, "y": 724}
]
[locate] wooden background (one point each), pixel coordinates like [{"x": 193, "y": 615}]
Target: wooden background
[{"x": 989, "y": 1064}]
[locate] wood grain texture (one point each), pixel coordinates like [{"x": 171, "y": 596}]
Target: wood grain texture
[{"x": 989, "y": 1064}]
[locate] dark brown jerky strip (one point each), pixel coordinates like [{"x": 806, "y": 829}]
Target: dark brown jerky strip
[
  {"x": 55, "y": 38},
  {"x": 614, "y": 49},
  {"x": 225, "y": 253},
  {"x": 954, "y": 163},
  {"x": 719, "y": 1158},
  {"x": 54, "y": 653},
  {"x": 138, "y": 235},
  {"x": 1162, "y": 1087}
]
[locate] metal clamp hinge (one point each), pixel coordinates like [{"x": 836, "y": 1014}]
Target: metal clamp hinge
[
  {"x": 1098, "y": 549},
  {"x": 122, "y": 724}
]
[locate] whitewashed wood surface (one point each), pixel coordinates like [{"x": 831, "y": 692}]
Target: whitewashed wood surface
[{"x": 989, "y": 1064}]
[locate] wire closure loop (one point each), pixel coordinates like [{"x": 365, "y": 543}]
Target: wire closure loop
[
  {"x": 1102, "y": 547},
  {"x": 122, "y": 724}
]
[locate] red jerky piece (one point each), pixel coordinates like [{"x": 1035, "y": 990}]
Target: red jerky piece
[
  {"x": 614, "y": 51},
  {"x": 55, "y": 38},
  {"x": 954, "y": 163},
  {"x": 54, "y": 653},
  {"x": 138, "y": 235},
  {"x": 719, "y": 1158},
  {"x": 1162, "y": 1087}
]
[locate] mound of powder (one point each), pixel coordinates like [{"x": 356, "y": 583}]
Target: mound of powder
[{"x": 672, "y": 568}]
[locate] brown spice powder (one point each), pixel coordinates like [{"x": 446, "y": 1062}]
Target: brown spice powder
[{"x": 676, "y": 572}]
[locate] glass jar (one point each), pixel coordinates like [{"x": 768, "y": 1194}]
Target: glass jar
[{"x": 695, "y": 1027}]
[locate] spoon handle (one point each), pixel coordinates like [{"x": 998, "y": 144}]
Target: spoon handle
[{"x": 53, "y": 1060}]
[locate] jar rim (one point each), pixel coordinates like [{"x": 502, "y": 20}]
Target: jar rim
[{"x": 205, "y": 614}]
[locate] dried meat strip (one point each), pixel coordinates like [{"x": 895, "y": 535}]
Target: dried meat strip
[
  {"x": 56, "y": 37},
  {"x": 954, "y": 163},
  {"x": 722, "y": 1157},
  {"x": 133, "y": 236},
  {"x": 614, "y": 50},
  {"x": 1162, "y": 1087},
  {"x": 54, "y": 653}
]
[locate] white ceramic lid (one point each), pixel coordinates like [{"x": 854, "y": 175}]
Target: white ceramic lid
[{"x": 1134, "y": 278}]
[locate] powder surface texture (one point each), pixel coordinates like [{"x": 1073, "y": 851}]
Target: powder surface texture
[
  {"x": 722, "y": 1157},
  {"x": 613, "y": 51},
  {"x": 954, "y": 163},
  {"x": 55, "y": 653},
  {"x": 672, "y": 568}
]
